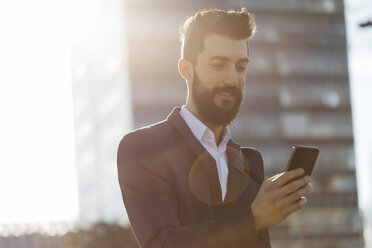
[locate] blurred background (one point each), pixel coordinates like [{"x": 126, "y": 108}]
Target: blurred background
[{"x": 75, "y": 76}]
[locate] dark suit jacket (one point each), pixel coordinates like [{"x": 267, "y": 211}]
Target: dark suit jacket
[{"x": 172, "y": 194}]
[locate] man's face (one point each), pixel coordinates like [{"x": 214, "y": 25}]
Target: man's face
[{"x": 219, "y": 78}]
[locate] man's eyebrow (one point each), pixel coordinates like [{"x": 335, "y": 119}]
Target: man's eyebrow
[{"x": 223, "y": 58}]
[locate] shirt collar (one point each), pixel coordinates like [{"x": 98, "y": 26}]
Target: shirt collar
[
  {"x": 197, "y": 127},
  {"x": 226, "y": 136}
]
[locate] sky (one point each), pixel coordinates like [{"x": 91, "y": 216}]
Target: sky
[{"x": 37, "y": 175}]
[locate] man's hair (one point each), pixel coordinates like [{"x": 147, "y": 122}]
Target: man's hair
[{"x": 234, "y": 24}]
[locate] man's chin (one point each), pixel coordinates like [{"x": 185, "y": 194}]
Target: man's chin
[{"x": 225, "y": 105}]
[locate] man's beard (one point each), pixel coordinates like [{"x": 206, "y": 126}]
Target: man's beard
[{"x": 208, "y": 110}]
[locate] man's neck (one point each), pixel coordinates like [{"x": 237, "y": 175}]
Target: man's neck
[{"x": 218, "y": 130}]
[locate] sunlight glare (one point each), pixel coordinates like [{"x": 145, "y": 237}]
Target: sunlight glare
[{"x": 37, "y": 177}]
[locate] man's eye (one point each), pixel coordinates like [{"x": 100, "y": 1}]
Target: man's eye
[
  {"x": 242, "y": 68},
  {"x": 217, "y": 66}
]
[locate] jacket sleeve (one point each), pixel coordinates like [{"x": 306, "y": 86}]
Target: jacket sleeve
[{"x": 151, "y": 204}]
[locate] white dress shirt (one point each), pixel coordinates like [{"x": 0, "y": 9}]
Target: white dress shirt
[{"x": 207, "y": 139}]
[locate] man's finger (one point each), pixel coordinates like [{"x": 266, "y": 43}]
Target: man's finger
[
  {"x": 295, "y": 206},
  {"x": 294, "y": 186},
  {"x": 298, "y": 194},
  {"x": 288, "y": 176},
  {"x": 273, "y": 178}
]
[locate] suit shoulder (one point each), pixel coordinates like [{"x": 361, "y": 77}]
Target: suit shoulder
[
  {"x": 139, "y": 152},
  {"x": 145, "y": 138}
]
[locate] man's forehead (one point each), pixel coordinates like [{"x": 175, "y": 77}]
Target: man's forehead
[{"x": 219, "y": 47}]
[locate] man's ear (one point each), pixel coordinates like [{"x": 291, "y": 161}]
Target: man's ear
[{"x": 185, "y": 69}]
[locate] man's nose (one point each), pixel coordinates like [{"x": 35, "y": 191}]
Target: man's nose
[{"x": 232, "y": 77}]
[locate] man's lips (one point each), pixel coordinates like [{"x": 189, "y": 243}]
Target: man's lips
[{"x": 228, "y": 92}]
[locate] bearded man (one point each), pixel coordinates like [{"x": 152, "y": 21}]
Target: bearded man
[{"x": 184, "y": 182}]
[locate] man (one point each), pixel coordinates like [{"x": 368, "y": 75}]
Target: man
[{"x": 184, "y": 182}]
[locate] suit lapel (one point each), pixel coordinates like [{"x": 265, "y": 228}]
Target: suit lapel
[
  {"x": 203, "y": 160},
  {"x": 238, "y": 167}
]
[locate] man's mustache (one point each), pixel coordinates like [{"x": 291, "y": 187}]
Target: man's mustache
[{"x": 227, "y": 89}]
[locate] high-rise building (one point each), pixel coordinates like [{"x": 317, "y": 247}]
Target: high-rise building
[
  {"x": 297, "y": 92},
  {"x": 102, "y": 108}
]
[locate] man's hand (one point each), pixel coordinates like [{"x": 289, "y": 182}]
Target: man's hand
[{"x": 278, "y": 198}]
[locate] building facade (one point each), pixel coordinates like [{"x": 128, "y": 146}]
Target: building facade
[{"x": 102, "y": 108}]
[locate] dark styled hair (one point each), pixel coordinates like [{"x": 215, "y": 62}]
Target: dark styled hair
[{"x": 235, "y": 24}]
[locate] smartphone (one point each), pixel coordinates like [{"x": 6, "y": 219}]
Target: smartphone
[{"x": 303, "y": 157}]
